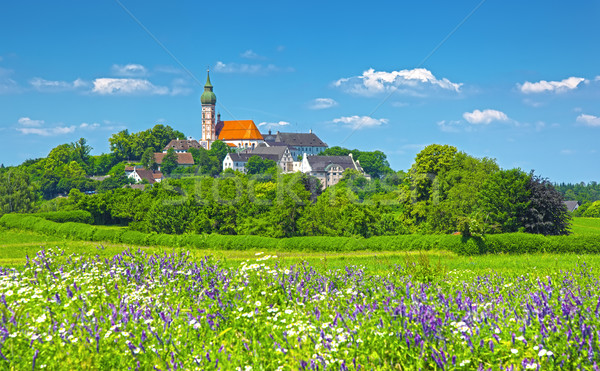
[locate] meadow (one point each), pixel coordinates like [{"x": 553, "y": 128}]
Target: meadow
[{"x": 88, "y": 305}]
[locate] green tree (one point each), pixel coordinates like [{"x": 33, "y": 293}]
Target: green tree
[
  {"x": 504, "y": 200},
  {"x": 148, "y": 161},
  {"x": 207, "y": 164},
  {"x": 257, "y": 165},
  {"x": 169, "y": 162},
  {"x": 16, "y": 192},
  {"x": 81, "y": 153},
  {"x": 121, "y": 145},
  {"x": 219, "y": 149}
]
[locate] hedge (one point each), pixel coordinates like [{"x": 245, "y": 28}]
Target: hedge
[
  {"x": 75, "y": 216},
  {"x": 509, "y": 243}
]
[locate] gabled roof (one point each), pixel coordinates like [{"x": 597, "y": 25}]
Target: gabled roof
[
  {"x": 149, "y": 175},
  {"x": 184, "y": 158},
  {"x": 571, "y": 205},
  {"x": 271, "y": 152},
  {"x": 238, "y": 130},
  {"x": 182, "y": 144},
  {"x": 321, "y": 163},
  {"x": 300, "y": 139}
]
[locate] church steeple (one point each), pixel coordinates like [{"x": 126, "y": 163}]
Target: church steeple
[
  {"x": 208, "y": 97},
  {"x": 208, "y": 100}
]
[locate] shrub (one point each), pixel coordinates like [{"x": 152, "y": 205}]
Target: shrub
[
  {"x": 75, "y": 216},
  {"x": 134, "y": 238}
]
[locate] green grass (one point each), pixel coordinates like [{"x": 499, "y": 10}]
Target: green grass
[
  {"x": 586, "y": 226},
  {"x": 15, "y": 245}
]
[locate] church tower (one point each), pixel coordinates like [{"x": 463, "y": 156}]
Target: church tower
[{"x": 208, "y": 100}]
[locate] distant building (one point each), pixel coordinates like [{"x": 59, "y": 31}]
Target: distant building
[
  {"x": 571, "y": 205},
  {"x": 140, "y": 174},
  {"x": 183, "y": 159},
  {"x": 280, "y": 154},
  {"x": 329, "y": 169},
  {"x": 300, "y": 143},
  {"x": 182, "y": 145}
]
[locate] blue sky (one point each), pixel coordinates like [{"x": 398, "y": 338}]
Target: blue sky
[{"x": 518, "y": 81}]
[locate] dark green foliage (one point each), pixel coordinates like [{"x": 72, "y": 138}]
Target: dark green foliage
[
  {"x": 63, "y": 216},
  {"x": 546, "y": 214}
]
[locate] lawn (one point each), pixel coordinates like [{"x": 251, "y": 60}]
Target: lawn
[{"x": 586, "y": 226}]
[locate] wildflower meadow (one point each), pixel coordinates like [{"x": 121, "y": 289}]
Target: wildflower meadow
[{"x": 141, "y": 311}]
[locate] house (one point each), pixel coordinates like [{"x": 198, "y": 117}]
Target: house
[
  {"x": 571, "y": 205},
  {"x": 280, "y": 154},
  {"x": 236, "y": 161},
  {"x": 182, "y": 145},
  {"x": 329, "y": 169},
  {"x": 183, "y": 159},
  {"x": 140, "y": 174},
  {"x": 300, "y": 143}
]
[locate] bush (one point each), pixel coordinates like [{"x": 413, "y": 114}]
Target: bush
[
  {"x": 134, "y": 238},
  {"x": 107, "y": 234},
  {"x": 75, "y": 216},
  {"x": 507, "y": 243}
]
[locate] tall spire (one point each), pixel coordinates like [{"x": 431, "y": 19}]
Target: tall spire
[
  {"x": 208, "y": 84},
  {"x": 208, "y": 97}
]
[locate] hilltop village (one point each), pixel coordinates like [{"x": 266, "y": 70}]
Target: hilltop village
[{"x": 292, "y": 152}]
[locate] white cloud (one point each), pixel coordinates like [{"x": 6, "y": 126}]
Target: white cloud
[
  {"x": 270, "y": 125},
  {"x": 249, "y": 68},
  {"x": 109, "y": 86},
  {"x": 567, "y": 152},
  {"x": 551, "y": 86},
  {"x": 249, "y": 54},
  {"x": 7, "y": 84},
  {"x": 26, "y": 121},
  {"x": 44, "y": 85},
  {"x": 597, "y": 78},
  {"x": 129, "y": 70},
  {"x": 484, "y": 117},
  {"x": 323, "y": 103},
  {"x": 453, "y": 126},
  {"x": 360, "y": 122},
  {"x": 588, "y": 120},
  {"x": 48, "y": 132},
  {"x": 373, "y": 82},
  {"x": 85, "y": 125}
]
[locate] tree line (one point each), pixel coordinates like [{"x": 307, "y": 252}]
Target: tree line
[{"x": 444, "y": 191}]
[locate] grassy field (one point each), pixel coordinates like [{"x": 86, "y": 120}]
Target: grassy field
[
  {"x": 586, "y": 226},
  {"x": 15, "y": 245},
  {"x": 294, "y": 310}
]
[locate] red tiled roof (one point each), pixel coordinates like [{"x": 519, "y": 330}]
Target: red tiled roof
[
  {"x": 239, "y": 130},
  {"x": 231, "y": 145},
  {"x": 182, "y": 158}
]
